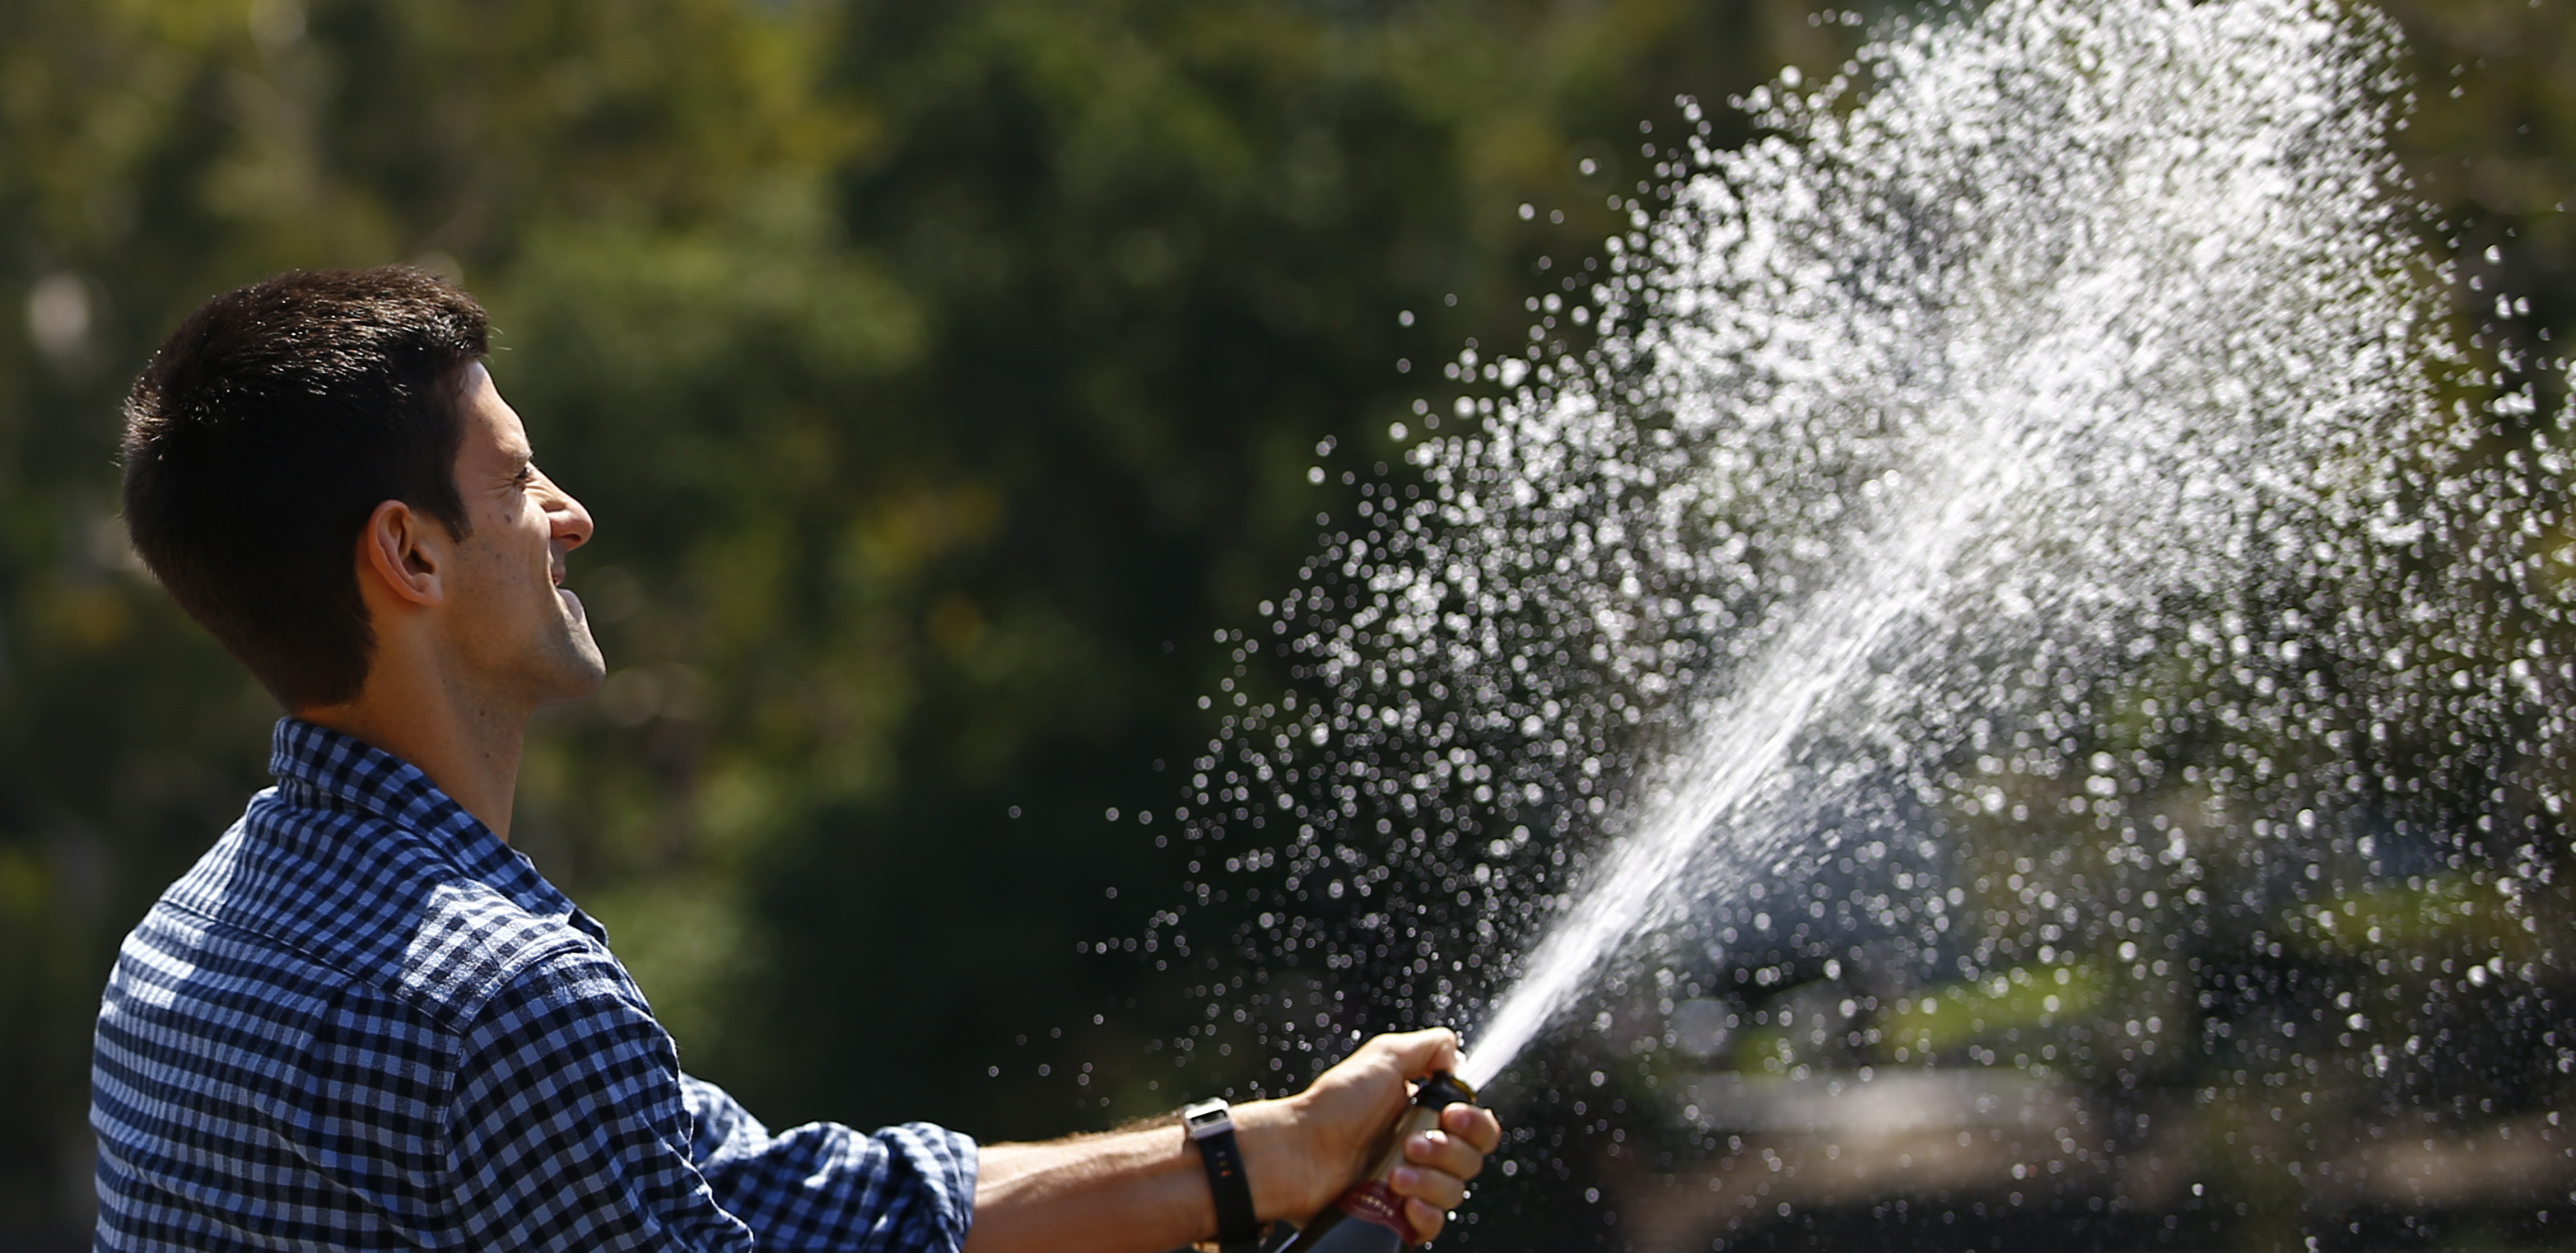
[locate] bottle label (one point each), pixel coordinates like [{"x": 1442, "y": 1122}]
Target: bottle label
[{"x": 1373, "y": 1202}]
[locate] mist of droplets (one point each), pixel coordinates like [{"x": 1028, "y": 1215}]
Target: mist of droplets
[{"x": 2016, "y": 572}]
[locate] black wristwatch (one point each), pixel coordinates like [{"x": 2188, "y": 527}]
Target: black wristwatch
[{"x": 1211, "y": 1127}]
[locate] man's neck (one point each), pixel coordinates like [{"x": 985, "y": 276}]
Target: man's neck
[{"x": 467, "y": 745}]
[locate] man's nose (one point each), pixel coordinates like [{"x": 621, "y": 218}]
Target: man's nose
[{"x": 572, "y": 524}]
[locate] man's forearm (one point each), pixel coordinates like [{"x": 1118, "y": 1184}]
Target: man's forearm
[
  {"x": 1138, "y": 1190},
  {"x": 1131, "y": 1191}
]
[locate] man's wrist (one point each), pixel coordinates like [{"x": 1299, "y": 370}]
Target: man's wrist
[
  {"x": 1211, "y": 1130},
  {"x": 1278, "y": 1158}
]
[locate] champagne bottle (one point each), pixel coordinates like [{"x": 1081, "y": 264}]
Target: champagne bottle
[{"x": 1369, "y": 1218}]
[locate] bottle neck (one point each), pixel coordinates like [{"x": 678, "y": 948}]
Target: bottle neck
[{"x": 1438, "y": 1092}]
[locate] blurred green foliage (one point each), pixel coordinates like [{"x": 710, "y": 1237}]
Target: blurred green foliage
[{"x": 941, "y": 376}]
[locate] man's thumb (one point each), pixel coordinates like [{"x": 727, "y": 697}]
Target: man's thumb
[{"x": 1418, "y": 1053}]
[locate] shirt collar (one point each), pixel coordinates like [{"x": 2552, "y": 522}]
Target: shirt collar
[{"x": 317, "y": 764}]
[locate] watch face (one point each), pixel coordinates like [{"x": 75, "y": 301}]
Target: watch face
[{"x": 1207, "y": 1118}]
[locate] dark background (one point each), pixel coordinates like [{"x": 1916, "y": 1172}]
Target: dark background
[{"x": 942, "y": 377}]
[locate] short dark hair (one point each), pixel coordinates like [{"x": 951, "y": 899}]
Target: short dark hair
[{"x": 263, "y": 435}]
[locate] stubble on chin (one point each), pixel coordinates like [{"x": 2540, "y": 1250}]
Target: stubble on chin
[{"x": 581, "y": 666}]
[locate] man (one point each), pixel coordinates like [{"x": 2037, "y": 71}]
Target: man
[{"x": 362, "y": 1021}]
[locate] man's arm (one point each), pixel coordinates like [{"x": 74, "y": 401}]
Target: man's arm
[
  {"x": 565, "y": 1128},
  {"x": 1143, "y": 1189},
  {"x": 572, "y": 1128}
]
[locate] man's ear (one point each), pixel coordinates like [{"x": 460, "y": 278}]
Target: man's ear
[{"x": 404, "y": 553}]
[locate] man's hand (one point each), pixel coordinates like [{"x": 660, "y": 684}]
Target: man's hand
[
  {"x": 1302, "y": 1152},
  {"x": 1146, "y": 1188}
]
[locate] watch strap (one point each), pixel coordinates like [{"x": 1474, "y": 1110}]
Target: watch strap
[{"x": 1237, "y": 1225}]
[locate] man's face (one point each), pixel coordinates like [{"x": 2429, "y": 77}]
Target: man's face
[{"x": 511, "y": 623}]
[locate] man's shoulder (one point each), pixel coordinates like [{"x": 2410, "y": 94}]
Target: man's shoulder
[
  {"x": 294, "y": 1025},
  {"x": 472, "y": 942},
  {"x": 261, "y": 993},
  {"x": 323, "y": 897}
]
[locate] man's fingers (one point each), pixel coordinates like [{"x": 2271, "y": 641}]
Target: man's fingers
[
  {"x": 1432, "y": 1187},
  {"x": 1426, "y": 1221},
  {"x": 1474, "y": 1124},
  {"x": 1439, "y": 1162},
  {"x": 1443, "y": 1151}
]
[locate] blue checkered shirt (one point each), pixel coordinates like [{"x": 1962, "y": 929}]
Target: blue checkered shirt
[{"x": 363, "y": 1022}]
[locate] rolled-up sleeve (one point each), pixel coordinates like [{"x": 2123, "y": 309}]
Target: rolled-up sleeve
[{"x": 825, "y": 1186}]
